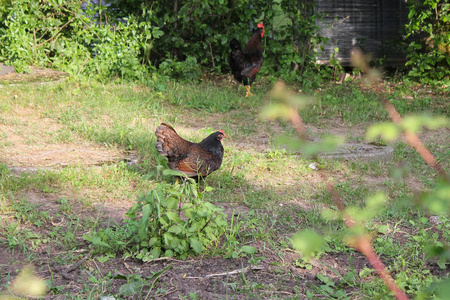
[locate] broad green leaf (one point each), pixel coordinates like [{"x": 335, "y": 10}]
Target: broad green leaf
[
  {"x": 153, "y": 241},
  {"x": 167, "y": 237},
  {"x": 175, "y": 229},
  {"x": 208, "y": 188},
  {"x": 248, "y": 249},
  {"x": 174, "y": 243},
  {"x": 383, "y": 229},
  {"x": 195, "y": 226},
  {"x": 374, "y": 202},
  {"x": 365, "y": 272},
  {"x": 388, "y": 131},
  {"x": 325, "y": 279},
  {"x": 330, "y": 214},
  {"x": 129, "y": 289},
  {"x": 146, "y": 211},
  {"x": 171, "y": 172},
  {"x": 196, "y": 245},
  {"x": 173, "y": 216},
  {"x": 308, "y": 242},
  {"x": 172, "y": 203},
  {"x": 437, "y": 201},
  {"x": 415, "y": 123},
  {"x": 155, "y": 252},
  {"x": 276, "y": 110}
]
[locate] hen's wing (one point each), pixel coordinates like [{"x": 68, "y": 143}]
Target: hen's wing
[
  {"x": 170, "y": 144},
  {"x": 200, "y": 161},
  {"x": 252, "y": 66}
]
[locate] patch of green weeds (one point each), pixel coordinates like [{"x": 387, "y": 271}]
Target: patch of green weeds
[
  {"x": 15, "y": 235},
  {"x": 136, "y": 283},
  {"x": 159, "y": 225},
  {"x": 26, "y": 212}
]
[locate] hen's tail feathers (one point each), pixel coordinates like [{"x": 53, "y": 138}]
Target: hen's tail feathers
[
  {"x": 235, "y": 45},
  {"x": 162, "y": 132}
]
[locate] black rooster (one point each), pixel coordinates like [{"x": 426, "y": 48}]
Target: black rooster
[{"x": 245, "y": 64}]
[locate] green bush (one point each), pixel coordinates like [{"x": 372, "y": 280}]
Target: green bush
[
  {"x": 429, "y": 51},
  {"x": 64, "y": 36},
  {"x": 166, "y": 227},
  {"x": 129, "y": 38},
  {"x": 161, "y": 225}
]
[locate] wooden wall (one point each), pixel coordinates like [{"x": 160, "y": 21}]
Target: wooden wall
[{"x": 373, "y": 25}]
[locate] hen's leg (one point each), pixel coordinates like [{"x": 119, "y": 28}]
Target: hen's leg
[{"x": 248, "y": 87}]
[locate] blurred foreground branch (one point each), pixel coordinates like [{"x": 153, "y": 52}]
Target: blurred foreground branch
[
  {"x": 361, "y": 242},
  {"x": 414, "y": 140},
  {"x": 359, "y": 61}
]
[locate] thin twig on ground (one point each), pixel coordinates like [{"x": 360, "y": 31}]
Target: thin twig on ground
[
  {"x": 65, "y": 274},
  {"x": 167, "y": 258},
  {"x": 237, "y": 271}
]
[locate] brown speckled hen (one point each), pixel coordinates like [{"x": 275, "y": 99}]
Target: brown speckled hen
[{"x": 193, "y": 159}]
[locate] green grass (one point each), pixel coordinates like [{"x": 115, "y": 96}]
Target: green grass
[{"x": 276, "y": 193}]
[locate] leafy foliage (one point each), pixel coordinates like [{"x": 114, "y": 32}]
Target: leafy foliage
[
  {"x": 66, "y": 36},
  {"x": 429, "y": 50},
  {"x": 164, "y": 229},
  {"x": 159, "y": 226},
  {"x": 127, "y": 37}
]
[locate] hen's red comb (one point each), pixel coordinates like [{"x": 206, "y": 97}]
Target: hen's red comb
[
  {"x": 221, "y": 131},
  {"x": 260, "y": 25}
]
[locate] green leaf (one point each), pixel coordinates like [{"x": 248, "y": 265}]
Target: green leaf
[
  {"x": 196, "y": 245},
  {"x": 175, "y": 229},
  {"x": 388, "y": 131},
  {"x": 383, "y": 229},
  {"x": 146, "y": 211},
  {"x": 248, "y": 249},
  {"x": 173, "y": 216},
  {"x": 174, "y": 243},
  {"x": 172, "y": 203},
  {"x": 374, "y": 202},
  {"x": 208, "y": 188},
  {"x": 167, "y": 237},
  {"x": 170, "y": 172},
  {"x": 325, "y": 279},
  {"x": 276, "y": 110},
  {"x": 437, "y": 201},
  {"x": 365, "y": 272},
  {"x": 308, "y": 242},
  {"x": 155, "y": 252},
  {"x": 153, "y": 241},
  {"x": 415, "y": 123},
  {"x": 129, "y": 289}
]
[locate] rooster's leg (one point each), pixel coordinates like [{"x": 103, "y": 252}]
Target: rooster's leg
[{"x": 248, "y": 87}]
